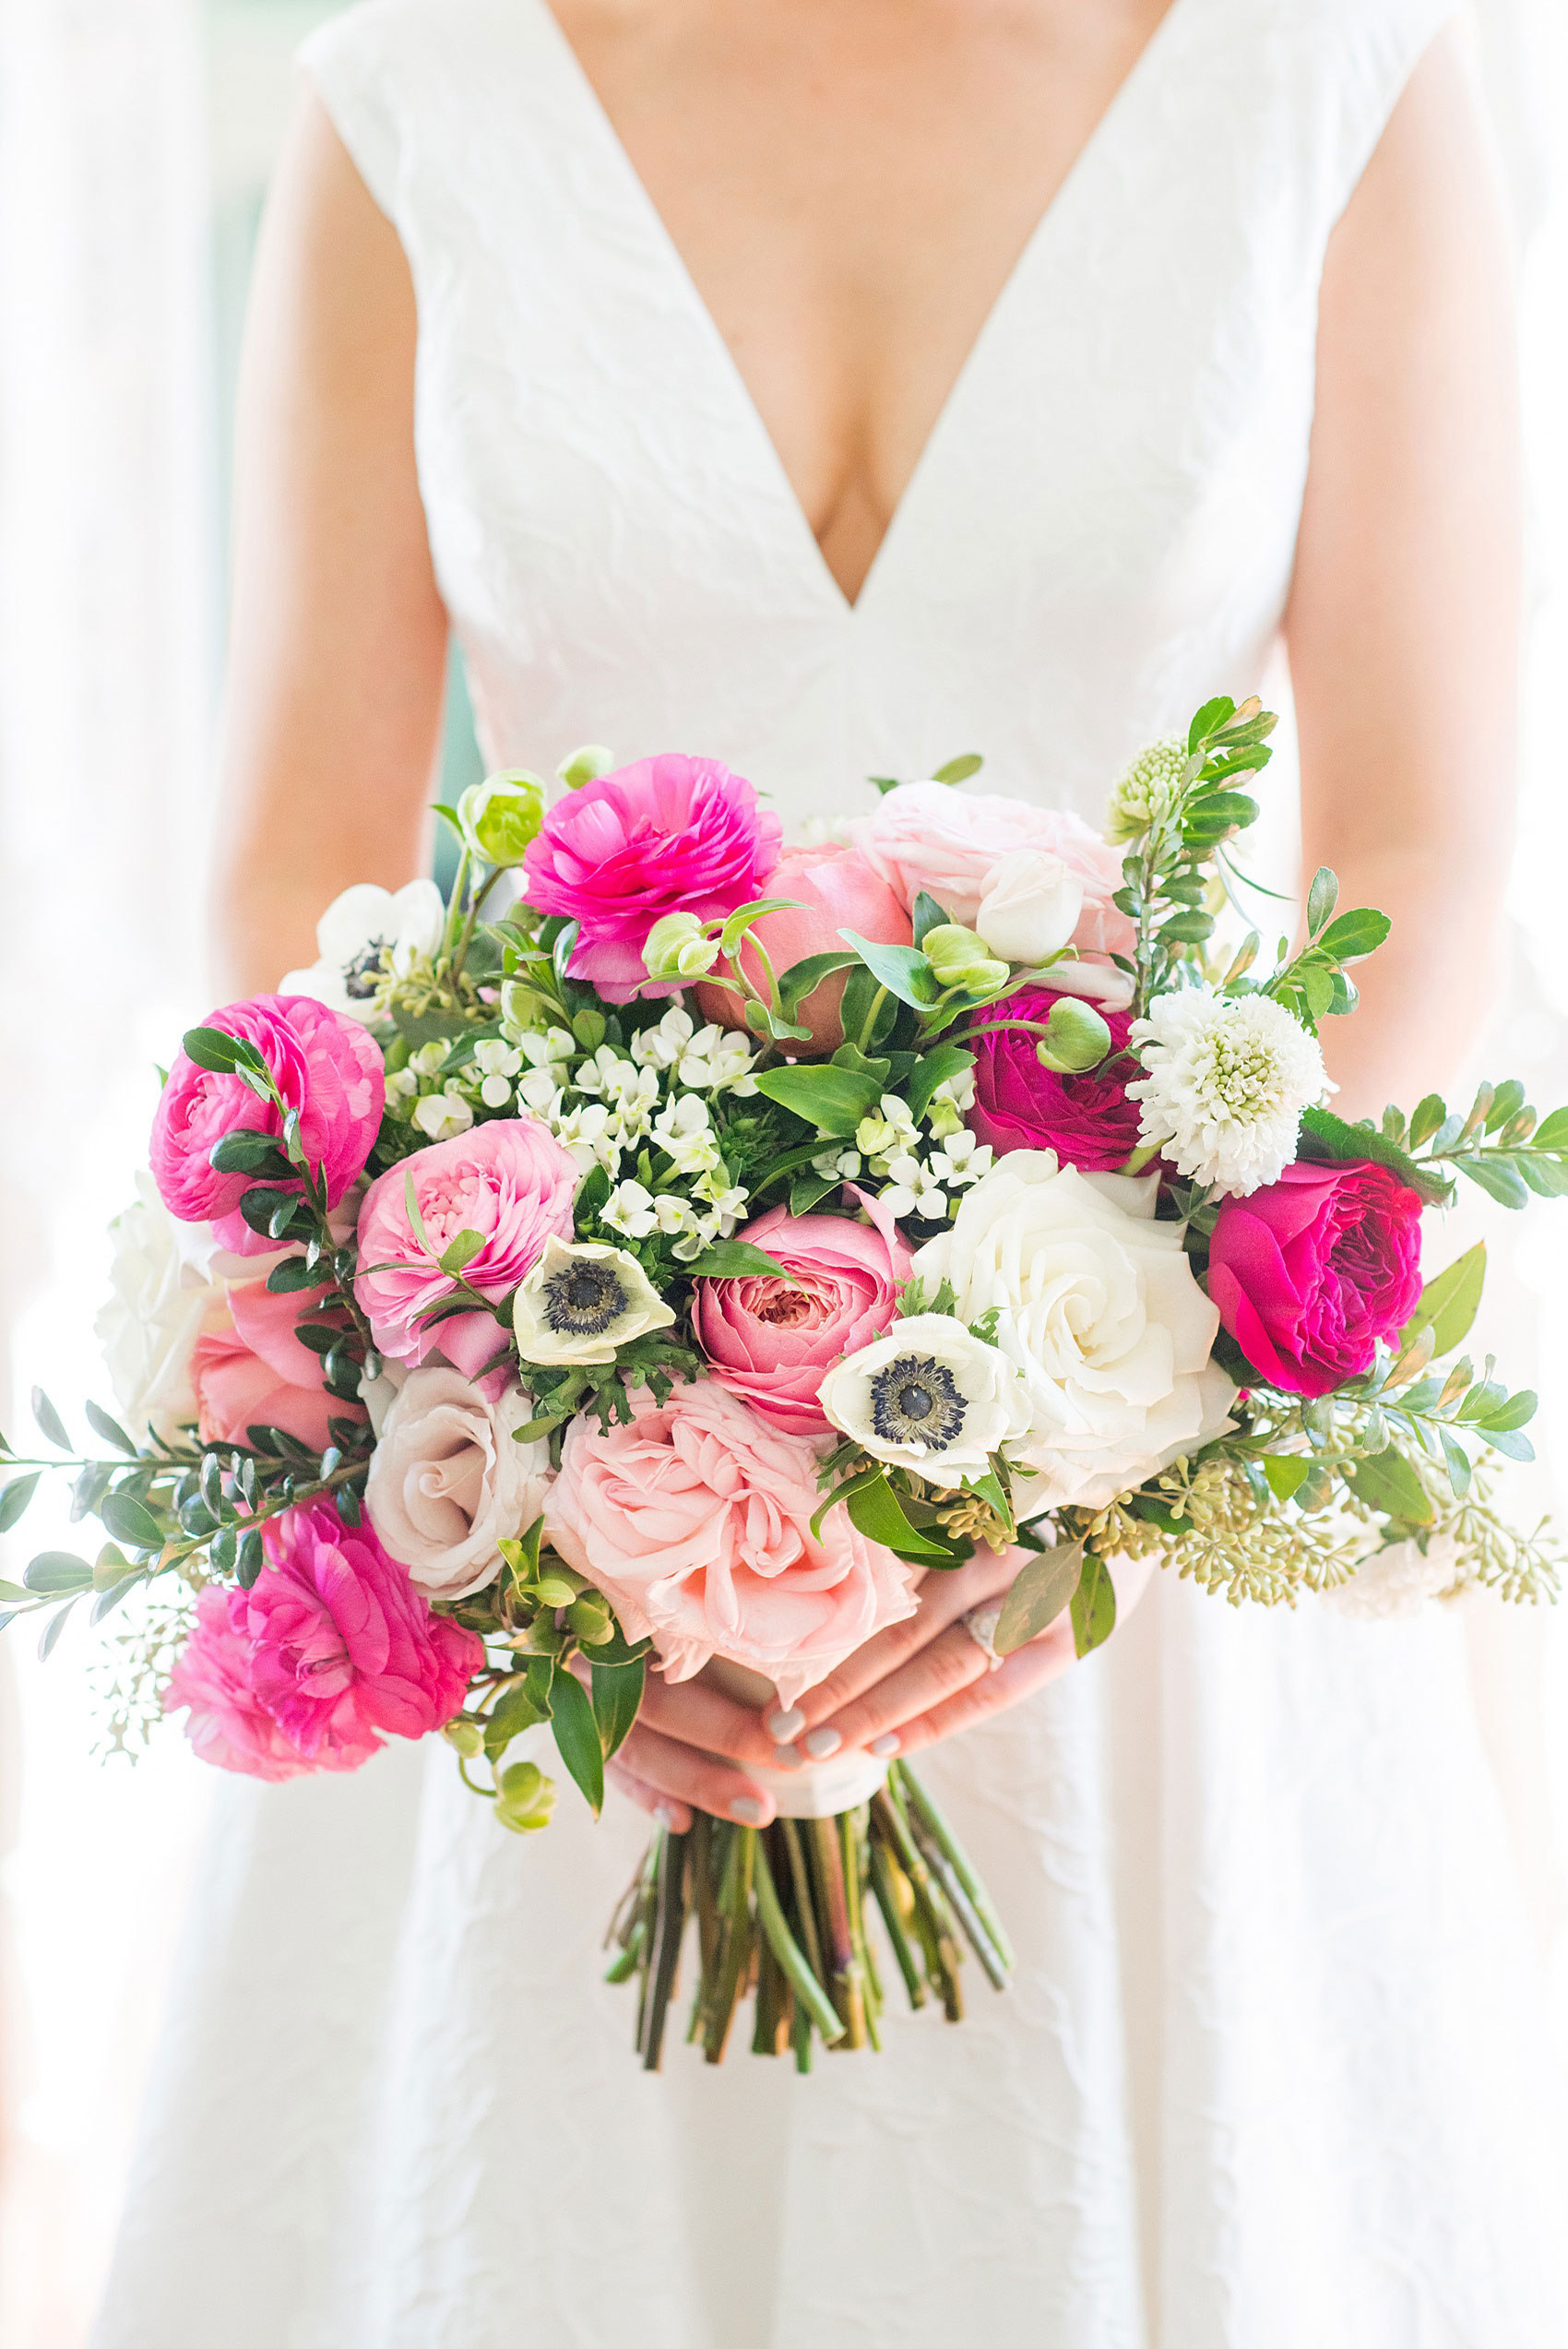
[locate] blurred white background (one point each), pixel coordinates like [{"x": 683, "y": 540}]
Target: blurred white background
[{"x": 135, "y": 136}]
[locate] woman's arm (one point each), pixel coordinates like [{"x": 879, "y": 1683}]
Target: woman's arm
[
  {"x": 1403, "y": 628},
  {"x": 339, "y": 638}
]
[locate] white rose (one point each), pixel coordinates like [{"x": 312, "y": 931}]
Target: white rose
[
  {"x": 1101, "y": 1314},
  {"x": 929, "y": 1396},
  {"x": 158, "y": 1304},
  {"x": 583, "y": 1301},
  {"x": 1030, "y": 906},
  {"x": 447, "y": 1481}
]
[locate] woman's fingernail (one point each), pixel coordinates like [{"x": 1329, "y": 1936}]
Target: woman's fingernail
[
  {"x": 881, "y": 1747},
  {"x": 823, "y": 1742},
  {"x": 666, "y": 1814},
  {"x": 786, "y": 1757},
  {"x": 747, "y": 1809},
  {"x": 785, "y": 1726}
]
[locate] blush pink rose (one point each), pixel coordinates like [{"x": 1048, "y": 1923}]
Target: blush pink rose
[
  {"x": 332, "y": 1645},
  {"x": 257, "y": 1374},
  {"x": 694, "y": 1520},
  {"x": 509, "y": 1180},
  {"x": 771, "y": 1340},
  {"x": 1310, "y": 1272},
  {"x": 928, "y": 836},
  {"x": 668, "y": 835},
  {"x": 326, "y": 1065},
  {"x": 1087, "y": 1121},
  {"x": 838, "y": 892}
]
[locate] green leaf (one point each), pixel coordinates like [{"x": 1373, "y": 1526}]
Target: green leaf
[
  {"x": 832, "y": 1100},
  {"x": 14, "y": 1499},
  {"x": 1286, "y": 1473},
  {"x": 1388, "y": 1484},
  {"x": 1516, "y": 1413},
  {"x": 1510, "y": 1442},
  {"x": 577, "y": 1736},
  {"x": 1457, "y": 1462},
  {"x": 131, "y": 1521},
  {"x": 1356, "y": 934},
  {"x": 617, "y": 1694},
  {"x": 902, "y": 970},
  {"x": 732, "y": 1259},
  {"x": 938, "y": 1067},
  {"x": 292, "y": 1275},
  {"x": 1506, "y": 1102},
  {"x": 460, "y": 1253},
  {"x": 1327, "y": 1141},
  {"x": 1214, "y": 715},
  {"x": 807, "y": 1190},
  {"x": 1322, "y": 899},
  {"x": 1187, "y": 929},
  {"x": 1551, "y": 1134},
  {"x": 109, "y": 1429},
  {"x": 875, "y": 1510},
  {"x": 959, "y": 771},
  {"x": 1499, "y": 1178},
  {"x": 50, "y": 1421},
  {"x": 1448, "y": 1303},
  {"x": 51, "y": 1638},
  {"x": 926, "y": 914},
  {"x": 1428, "y": 1116},
  {"x": 245, "y": 1151},
  {"x": 1041, "y": 1590},
  {"x": 56, "y": 1572},
  {"x": 516, "y": 1709},
  {"x": 220, "y": 1053},
  {"x": 802, "y": 980},
  {"x": 739, "y": 922},
  {"x": 1094, "y": 1605}
]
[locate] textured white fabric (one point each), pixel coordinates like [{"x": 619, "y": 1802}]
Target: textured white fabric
[{"x": 1271, "y": 2076}]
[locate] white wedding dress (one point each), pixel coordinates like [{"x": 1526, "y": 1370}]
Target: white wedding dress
[{"x": 1271, "y": 2075}]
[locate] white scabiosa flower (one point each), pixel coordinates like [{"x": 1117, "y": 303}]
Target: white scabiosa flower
[
  {"x": 583, "y": 1301},
  {"x": 930, "y": 1396},
  {"x": 364, "y": 933},
  {"x": 1394, "y": 1584},
  {"x": 1145, "y": 791},
  {"x": 1225, "y": 1081}
]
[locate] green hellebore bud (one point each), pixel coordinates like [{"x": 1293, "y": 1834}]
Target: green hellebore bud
[
  {"x": 501, "y": 816},
  {"x": 676, "y": 948},
  {"x": 1076, "y": 1040},
  {"x": 523, "y": 1798},
  {"x": 584, "y": 765},
  {"x": 959, "y": 958},
  {"x": 591, "y": 1619},
  {"x": 467, "y": 1735}
]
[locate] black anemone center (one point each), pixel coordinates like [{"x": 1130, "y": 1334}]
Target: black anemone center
[
  {"x": 582, "y": 1300},
  {"x": 916, "y": 1400},
  {"x": 362, "y": 975}
]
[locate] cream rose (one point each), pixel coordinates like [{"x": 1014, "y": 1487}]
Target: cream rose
[
  {"x": 1031, "y": 906},
  {"x": 1100, "y": 1312},
  {"x": 447, "y": 1481}
]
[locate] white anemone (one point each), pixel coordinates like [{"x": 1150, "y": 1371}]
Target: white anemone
[
  {"x": 930, "y": 1396},
  {"x": 363, "y": 933},
  {"x": 582, "y": 1302}
]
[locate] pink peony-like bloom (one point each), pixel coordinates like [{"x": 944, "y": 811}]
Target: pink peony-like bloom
[
  {"x": 333, "y": 1646},
  {"x": 326, "y": 1065},
  {"x": 1309, "y": 1272},
  {"x": 668, "y": 835},
  {"x": 1087, "y": 1121},
  {"x": 694, "y": 1520},
  {"x": 257, "y": 1374},
  {"x": 510, "y": 1181},
  {"x": 771, "y": 1340},
  {"x": 928, "y": 836},
  {"x": 837, "y": 890}
]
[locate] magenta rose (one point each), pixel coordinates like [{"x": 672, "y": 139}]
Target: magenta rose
[
  {"x": 333, "y": 1646},
  {"x": 835, "y": 890},
  {"x": 257, "y": 1374},
  {"x": 669, "y": 835},
  {"x": 771, "y": 1339},
  {"x": 510, "y": 1181},
  {"x": 1309, "y": 1272},
  {"x": 325, "y": 1065},
  {"x": 695, "y": 1522},
  {"x": 1087, "y": 1121}
]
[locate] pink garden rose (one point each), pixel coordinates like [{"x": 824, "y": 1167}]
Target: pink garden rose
[
  {"x": 928, "y": 836},
  {"x": 330, "y": 1653},
  {"x": 838, "y": 890},
  {"x": 1087, "y": 1121},
  {"x": 327, "y": 1066},
  {"x": 668, "y": 835},
  {"x": 509, "y": 1180},
  {"x": 257, "y": 1374},
  {"x": 1309, "y": 1272},
  {"x": 694, "y": 1520},
  {"x": 771, "y": 1340}
]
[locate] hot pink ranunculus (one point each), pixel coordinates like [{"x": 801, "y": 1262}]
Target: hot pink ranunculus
[
  {"x": 327, "y": 1066},
  {"x": 668, "y": 835},
  {"x": 928, "y": 836},
  {"x": 770, "y": 1339},
  {"x": 333, "y": 1645},
  {"x": 694, "y": 1520},
  {"x": 257, "y": 1374},
  {"x": 838, "y": 890},
  {"x": 509, "y": 1180},
  {"x": 1087, "y": 1121},
  {"x": 1309, "y": 1272}
]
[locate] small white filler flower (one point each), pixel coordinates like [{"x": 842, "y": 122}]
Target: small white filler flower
[
  {"x": 582, "y": 1301},
  {"x": 929, "y": 1396},
  {"x": 1225, "y": 1081}
]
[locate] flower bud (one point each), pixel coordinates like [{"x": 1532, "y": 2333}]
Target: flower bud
[
  {"x": 584, "y": 765},
  {"x": 467, "y": 1735},
  {"x": 676, "y": 947},
  {"x": 501, "y": 816},
  {"x": 960, "y": 960},
  {"x": 523, "y": 1798},
  {"x": 1076, "y": 1040},
  {"x": 592, "y": 1620}
]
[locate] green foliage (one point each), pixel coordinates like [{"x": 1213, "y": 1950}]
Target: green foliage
[
  {"x": 1498, "y": 1144},
  {"x": 1039, "y": 1590},
  {"x": 1094, "y": 1605},
  {"x": 1449, "y": 1303}
]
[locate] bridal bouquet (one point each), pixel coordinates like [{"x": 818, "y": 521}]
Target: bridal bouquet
[{"x": 676, "y": 1246}]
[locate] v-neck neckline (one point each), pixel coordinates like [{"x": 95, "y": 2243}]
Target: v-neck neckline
[{"x": 1121, "y": 101}]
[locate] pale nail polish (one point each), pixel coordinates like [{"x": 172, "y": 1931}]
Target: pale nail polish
[
  {"x": 786, "y": 1757},
  {"x": 882, "y": 1746},
  {"x": 785, "y": 1726},
  {"x": 823, "y": 1742},
  {"x": 746, "y": 1808},
  {"x": 665, "y": 1814}
]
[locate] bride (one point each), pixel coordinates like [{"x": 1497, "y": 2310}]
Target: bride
[{"x": 833, "y": 386}]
